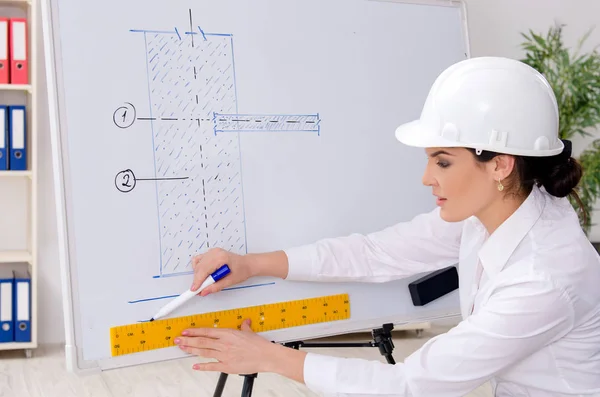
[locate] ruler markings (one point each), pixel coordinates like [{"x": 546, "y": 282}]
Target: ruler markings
[{"x": 134, "y": 338}]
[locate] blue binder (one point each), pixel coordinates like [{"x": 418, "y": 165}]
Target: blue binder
[
  {"x": 22, "y": 305},
  {"x": 17, "y": 126},
  {"x": 3, "y": 138},
  {"x": 6, "y": 306}
]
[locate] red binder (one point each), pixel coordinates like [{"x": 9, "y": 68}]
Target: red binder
[
  {"x": 4, "y": 55},
  {"x": 19, "y": 70}
]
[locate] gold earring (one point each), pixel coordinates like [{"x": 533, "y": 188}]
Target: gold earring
[{"x": 500, "y": 185}]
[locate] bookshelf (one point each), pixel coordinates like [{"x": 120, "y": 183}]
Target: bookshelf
[
  {"x": 25, "y": 94},
  {"x": 16, "y": 87},
  {"x": 21, "y": 3}
]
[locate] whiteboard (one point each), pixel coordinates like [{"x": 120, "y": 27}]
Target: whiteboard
[{"x": 253, "y": 126}]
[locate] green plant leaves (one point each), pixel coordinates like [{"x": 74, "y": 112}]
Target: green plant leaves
[
  {"x": 589, "y": 187},
  {"x": 575, "y": 80}
]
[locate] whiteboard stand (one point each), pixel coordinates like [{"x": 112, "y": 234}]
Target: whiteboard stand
[{"x": 382, "y": 339}]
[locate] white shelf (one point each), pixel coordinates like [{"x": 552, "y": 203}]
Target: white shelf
[
  {"x": 23, "y": 3},
  {"x": 15, "y": 87},
  {"x": 16, "y": 174},
  {"x": 14, "y": 257},
  {"x": 17, "y": 345}
]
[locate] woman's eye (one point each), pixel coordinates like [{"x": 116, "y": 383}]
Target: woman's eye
[{"x": 443, "y": 164}]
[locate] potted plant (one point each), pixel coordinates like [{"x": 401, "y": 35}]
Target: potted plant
[{"x": 575, "y": 79}]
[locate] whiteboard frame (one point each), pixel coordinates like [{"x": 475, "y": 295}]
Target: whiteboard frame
[
  {"x": 51, "y": 47},
  {"x": 57, "y": 123},
  {"x": 444, "y": 3}
]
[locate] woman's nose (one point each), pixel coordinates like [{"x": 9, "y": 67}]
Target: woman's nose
[{"x": 428, "y": 179}]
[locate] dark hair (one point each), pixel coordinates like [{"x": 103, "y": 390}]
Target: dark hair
[{"x": 559, "y": 174}]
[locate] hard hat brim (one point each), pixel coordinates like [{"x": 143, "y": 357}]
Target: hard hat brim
[{"x": 415, "y": 134}]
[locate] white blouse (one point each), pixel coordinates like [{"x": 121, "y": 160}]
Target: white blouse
[{"x": 532, "y": 327}]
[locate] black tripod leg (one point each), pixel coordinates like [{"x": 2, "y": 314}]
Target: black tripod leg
[
  {"x": 220, "y": 385},
  {"x": 382, "y": 338},
  {"x": 248, "y": 384}
]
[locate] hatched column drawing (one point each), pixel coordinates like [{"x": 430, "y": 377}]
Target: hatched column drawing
[{"x": 195, "y": 125}]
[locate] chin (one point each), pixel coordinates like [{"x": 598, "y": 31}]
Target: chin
[{"x": 452, "y": 216}]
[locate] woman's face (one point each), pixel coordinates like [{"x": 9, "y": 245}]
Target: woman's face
[{"x": 463, "y": 187}]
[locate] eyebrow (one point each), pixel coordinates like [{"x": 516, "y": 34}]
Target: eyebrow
[{"x": 434, "y": 154}]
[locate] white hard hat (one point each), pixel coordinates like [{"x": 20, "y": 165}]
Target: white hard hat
[{"x": 488, "y": 103}]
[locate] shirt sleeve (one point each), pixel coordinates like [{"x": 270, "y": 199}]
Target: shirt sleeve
[
  {"x": 514, "y": 323},
  {"x": 425, "y": 243}
]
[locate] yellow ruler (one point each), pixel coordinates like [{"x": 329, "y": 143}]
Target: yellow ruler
[{"x": 134, "y": 338}]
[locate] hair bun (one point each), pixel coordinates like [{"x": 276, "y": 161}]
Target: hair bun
[{"x": 562, "y": 177}]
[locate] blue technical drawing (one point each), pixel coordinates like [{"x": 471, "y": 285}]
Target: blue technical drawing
[
  {"x": 276, "y": 122},
  {"x": 195, "y": 127}
]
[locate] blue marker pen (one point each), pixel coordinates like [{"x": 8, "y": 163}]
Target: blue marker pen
[{"x": 189, "y": 294}]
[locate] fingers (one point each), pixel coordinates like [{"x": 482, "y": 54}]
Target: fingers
[
  {"x": 199, "y": 277},
  {"x": 200, "y": 346},
  {"x": 206, "y": 332},
  {"x": 206, "y": 353},
  {"x": 205, "y": 264},
  {"x": 216, "y": 367},
  {"x": 196, "y": 260},
  {"x": 201, "y": 272},
  {"x": 198, "y": 341},
  {"x": 246, "y": 325},
  {"x": 208, "y": 290},
  {"x": 218, "y": 286}
]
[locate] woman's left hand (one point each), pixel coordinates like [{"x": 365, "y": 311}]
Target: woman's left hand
[{"x": 236, "y": 352}]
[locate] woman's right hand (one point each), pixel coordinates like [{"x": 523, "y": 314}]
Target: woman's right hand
[{"x": 207, "y": 263}]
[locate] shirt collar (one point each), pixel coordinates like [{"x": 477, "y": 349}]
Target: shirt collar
[{"x": 499, "y": 247}]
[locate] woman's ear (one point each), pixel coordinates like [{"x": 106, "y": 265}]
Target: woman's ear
[{"x": 503, "y": 166}]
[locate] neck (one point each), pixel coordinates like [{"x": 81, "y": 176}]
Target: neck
[{"x": 499, "y": 211}]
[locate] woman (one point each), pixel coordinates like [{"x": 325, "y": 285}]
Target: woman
[{"x": 529, "y": 278}]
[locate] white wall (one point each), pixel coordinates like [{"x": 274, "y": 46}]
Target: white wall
[
  {"x": 495, "y": 27},
  {"x": 494, "y": 30}
]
